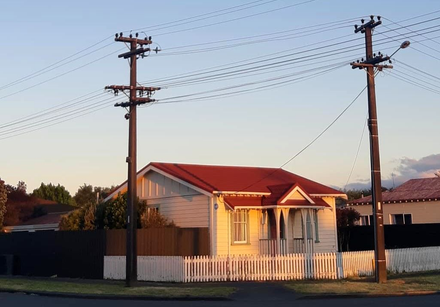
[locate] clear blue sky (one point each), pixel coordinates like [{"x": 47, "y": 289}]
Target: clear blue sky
[{"x": 44, "y": 46}]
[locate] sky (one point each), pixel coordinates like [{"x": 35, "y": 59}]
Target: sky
[{"x": 248, "y": 83}]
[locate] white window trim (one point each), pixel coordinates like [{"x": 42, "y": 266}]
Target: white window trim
[{"x": 246, "y": 223}]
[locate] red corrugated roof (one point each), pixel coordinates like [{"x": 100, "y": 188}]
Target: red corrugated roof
[
  {"x": 242, "y": 201},
  {"x": 412, "y": 190},
  {"x": 240, "y": 179}
]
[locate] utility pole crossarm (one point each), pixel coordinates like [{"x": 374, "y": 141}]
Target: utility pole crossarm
[{"x": 128, "y": 87}]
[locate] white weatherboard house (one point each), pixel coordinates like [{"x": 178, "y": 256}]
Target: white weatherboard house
[{"x": 248, "y": 210}]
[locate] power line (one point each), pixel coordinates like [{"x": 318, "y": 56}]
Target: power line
[
  {"x": 58, "y": 76},
  {"x": 204, "y": 16},
  {"x": 235, "y": 19},
  {"x": 57, "y": 108},
  {"x": 308, "y": 145},
  {"x": 357, "y": 153},
  {"x": 56, "y": 117},
  {"x": 52, "y": 67},
  {"x": 53, "y": 124}
]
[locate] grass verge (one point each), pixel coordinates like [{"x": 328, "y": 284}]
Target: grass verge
[
  {"x": 397, "y": 284},
  {"x": 114, "y": 288}
]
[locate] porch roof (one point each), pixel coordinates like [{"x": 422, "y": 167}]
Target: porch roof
[{"x": 237, "y": 202}]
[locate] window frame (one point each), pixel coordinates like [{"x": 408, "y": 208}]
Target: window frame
[
  {"x": 246, "y": 232},
  {"x": 393, "y": 218}
]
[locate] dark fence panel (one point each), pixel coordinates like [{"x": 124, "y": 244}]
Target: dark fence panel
[
  {"x": 61, "y": 253},
  {"x": 396, "y": 236},
  {"x": 171, "y": 241},
  {"x": 80, "y": 254}
]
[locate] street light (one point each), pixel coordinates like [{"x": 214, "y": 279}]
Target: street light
[{"x": 403, "y": 45}]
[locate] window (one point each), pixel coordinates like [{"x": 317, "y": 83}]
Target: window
[
  {"x": 401, "y": 219},
  {"x": 240, "y": 227},
  {"x": 366, "y": 220}
]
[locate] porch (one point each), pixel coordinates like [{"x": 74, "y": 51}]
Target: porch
[{"x": 286, "y": 231}]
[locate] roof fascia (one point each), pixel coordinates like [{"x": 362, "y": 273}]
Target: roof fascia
[{"x": 292, "y": 190}]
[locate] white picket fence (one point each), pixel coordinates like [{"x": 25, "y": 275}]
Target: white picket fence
[{"x": 266, "y": 267}]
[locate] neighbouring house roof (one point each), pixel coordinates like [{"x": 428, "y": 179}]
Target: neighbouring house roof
[
  {"x": 414, "y": 190},
  {"x": 51, "y": 218},
  {"x": 267, "y": 186}
]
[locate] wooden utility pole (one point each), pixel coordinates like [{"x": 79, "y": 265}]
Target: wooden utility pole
[
  {"x": 134, "y": 100},
  {"x": 369, "y": 65}
]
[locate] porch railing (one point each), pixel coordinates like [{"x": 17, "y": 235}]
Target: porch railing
[
  {"x": 300, "y": 247},
  {"x": 269, "y": 247}
]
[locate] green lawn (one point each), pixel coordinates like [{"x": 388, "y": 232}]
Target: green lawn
[
  {"x": 396, "y": 284},
  {"x": 116, "y": 288}
]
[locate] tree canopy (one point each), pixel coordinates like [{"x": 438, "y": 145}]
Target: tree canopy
[
  {"x": 53, "y": 192},
  {"x": 20, "y": 206},
  {"x": 88, "y": 194},
  {"x": 112, "y": 215},
  {"x": 345, "y": 218},
  {"x": 3, "y": 199}
]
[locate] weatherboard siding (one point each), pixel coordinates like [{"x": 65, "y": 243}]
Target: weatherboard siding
[
  {"x": 422, "y": 212},
  {"x": 224, "y": 237},
  {"x": 177, "y": 202},
  {"x": 327, "y": 228}
]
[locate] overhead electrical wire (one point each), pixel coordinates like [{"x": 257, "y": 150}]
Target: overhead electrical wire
[
  {"x": 233, "y": 19},
  {"x": 271, "y": 85},
  {"x": 308, "y": 145},
  {"x": 246, "y": 85},
  {"x": 402, "y": 34},
  {"x": 58, "y": 63},
  {"x": 53, "y": 124},
  {"x": 56, "y": 118},
  {"x": 69, "y": 104},
  {"x": 204, "y": 16},
  {"x": 59, "y": 75},
  {"x": 52, "y": 67},
  {"x": 336, "y": 24}
]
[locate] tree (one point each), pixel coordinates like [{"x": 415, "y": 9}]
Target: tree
[
  {"x": 3, "y": 199},
  {"x": 20, "y": 206},
  {"x": 153, "y": 219},
  {"x": 85, "y": 195},
  {"x": 89, "y": 217},
  {"x": 71, "y": 221},
  {"x": 53, "y": 192},
  {"x": 112, "y": 215},
  {"x": 346, "y": 218},
  {"x": 103, "y": 192}
]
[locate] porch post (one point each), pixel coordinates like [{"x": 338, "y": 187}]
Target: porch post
[
  {"x": 277, "y": 213},
  {"x": 312, "y": 225},
  {"x": 286, "y": 227},
  {"x": 304, "y": 229}
]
